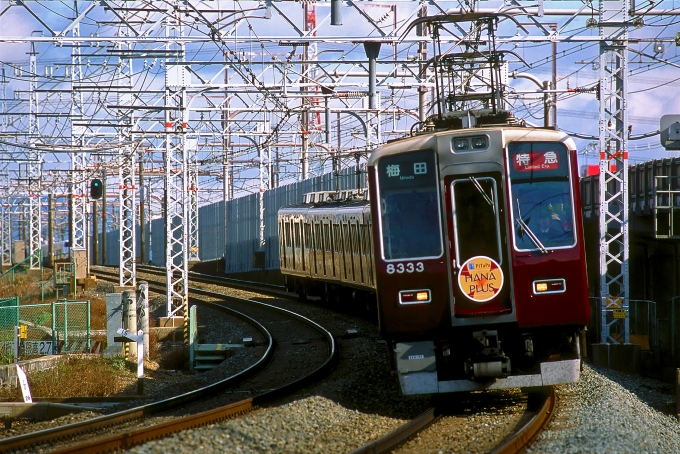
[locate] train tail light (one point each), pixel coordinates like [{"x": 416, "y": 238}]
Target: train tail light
[
  {"x": 547, "y": 286},
  {"x": 415, "y": 297}
]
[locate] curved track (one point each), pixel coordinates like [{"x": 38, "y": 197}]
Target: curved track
[
  {"x": 128, "y": 438},
  {"x": 516, "y": 443}
]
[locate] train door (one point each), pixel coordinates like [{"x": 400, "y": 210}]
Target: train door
[{"x": 479, "y": 262}]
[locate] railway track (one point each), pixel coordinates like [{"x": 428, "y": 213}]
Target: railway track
[
  {"x": 515, "y": 443},
  {"x": 278, "y": 291},
  {"x": 262, "y": 379}
]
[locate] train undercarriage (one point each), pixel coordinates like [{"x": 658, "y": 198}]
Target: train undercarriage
[{"x": 478, "y": 359}]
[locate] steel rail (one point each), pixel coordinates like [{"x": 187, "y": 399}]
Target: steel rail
[
  {"x": 133, "y": 438},
  {"x": 268, "y": 289},
  {"x": 74, "y": 429},
  {"x": 400, "y": 435},
  {"x": 521, "y": 440},
  {"x": 129, "y": 439},
  {"x": 136, "y": 437},
  {"x": 516, "y": 443}
]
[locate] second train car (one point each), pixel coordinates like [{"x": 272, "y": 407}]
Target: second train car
[{"x": 472, "y": 242}]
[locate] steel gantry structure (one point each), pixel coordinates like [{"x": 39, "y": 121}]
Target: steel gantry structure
[
  {"x": 613, "y": 27},
  {"x": 214, "y": 99}
]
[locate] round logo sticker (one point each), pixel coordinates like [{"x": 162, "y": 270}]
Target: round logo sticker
[{"x": 480, "y": 278}]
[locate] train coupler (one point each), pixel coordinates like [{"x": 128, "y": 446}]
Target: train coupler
[
  {"x": 497, "y": 367},
  {"x": 490, "y": 362}
]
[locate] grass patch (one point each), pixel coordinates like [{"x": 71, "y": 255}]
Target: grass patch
[{"x": 79, "y": 376}]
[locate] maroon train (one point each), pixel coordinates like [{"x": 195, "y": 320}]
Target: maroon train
[{"x": 473, "y": 245}]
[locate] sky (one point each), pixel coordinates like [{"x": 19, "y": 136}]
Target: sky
[{"x": 653, "y": 82}]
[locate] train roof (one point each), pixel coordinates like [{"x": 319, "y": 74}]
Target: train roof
[
  {"x": 496, "y": 134},
  {"x": 330, "y": 199}
]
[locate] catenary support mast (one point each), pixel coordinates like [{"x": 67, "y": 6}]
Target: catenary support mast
[{"x": 613, "y": 128}]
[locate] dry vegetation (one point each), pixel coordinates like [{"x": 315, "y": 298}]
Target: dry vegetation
[
  {"x": 27, "y": 289},
  {"x": 79, "y": 376},
  {"x": 85, "y": 375}
]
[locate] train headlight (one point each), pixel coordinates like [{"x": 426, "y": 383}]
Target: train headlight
[
  {"x": 545, "y": 286},
  {"x": 461, "y": 144},
  {"x": 415, "y": 296},
  {"x": 479, "y": 143}
]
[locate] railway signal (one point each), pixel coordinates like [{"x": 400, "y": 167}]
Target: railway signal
[{"x": 96, "y": 189}]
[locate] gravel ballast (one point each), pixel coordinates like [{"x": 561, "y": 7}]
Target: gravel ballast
[
  {"x": 607, "y": 412},
  {"x": 611, "y": 412}
]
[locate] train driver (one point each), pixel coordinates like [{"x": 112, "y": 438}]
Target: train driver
[{"x": 546, "y": 231}]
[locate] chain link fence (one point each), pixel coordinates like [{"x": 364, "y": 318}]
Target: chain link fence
[{"x": 60, "y": 327}]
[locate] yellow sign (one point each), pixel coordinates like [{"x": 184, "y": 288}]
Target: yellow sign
[
  {"x": 614, "y": 302},
  {"x": 619, "y": 313},
  {"x": 480, "y": 278},
  {"x": 22, "y": 331}
]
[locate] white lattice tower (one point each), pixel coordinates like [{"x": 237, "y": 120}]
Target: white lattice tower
[
  {"x": 126, "y": 199},
  {"x": 193, "y": 255},
  {"x": 176, "y": 177},
  {"x": 126, "y": 176},
  {"x": 613, "y": 127},
  {"x": 34, "y": 167},
  {"x": 79, "y": 159},
  {"x": 5, "y": 206},
  {"x": 5, "y": 230}
]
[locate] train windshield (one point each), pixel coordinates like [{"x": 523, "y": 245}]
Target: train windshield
[
  {"x": 475, "y": 206},
  {"x": 410, "y": 219},
  {"x": 540, "y": 192}
]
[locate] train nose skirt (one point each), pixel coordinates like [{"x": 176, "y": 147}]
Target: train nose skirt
[{"x": 417, "y": 371}]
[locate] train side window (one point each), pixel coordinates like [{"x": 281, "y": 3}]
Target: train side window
[
  {"x": 327, "y": 237},
  {"x": 365, "y": 239},
  {"x": 298, "y": 243},
  {"x": 332, "y": 247},
  {"x": 283, "y": 243},
  {"x": 348, "y": 249},
  {"x": 317, "y": 237},
  {"x": 306, "y": 245},
  {"x": 337, "y": 239},
  {"x": 352, "y": 239}
]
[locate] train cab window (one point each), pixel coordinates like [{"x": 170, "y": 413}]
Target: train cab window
[
  {"x": 475, "y": 208},
  {"x": 541, "y": 196},
  {"x": 410, "y": 220}
]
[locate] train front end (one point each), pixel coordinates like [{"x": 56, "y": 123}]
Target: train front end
[{"x": 480, "y": 264}]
